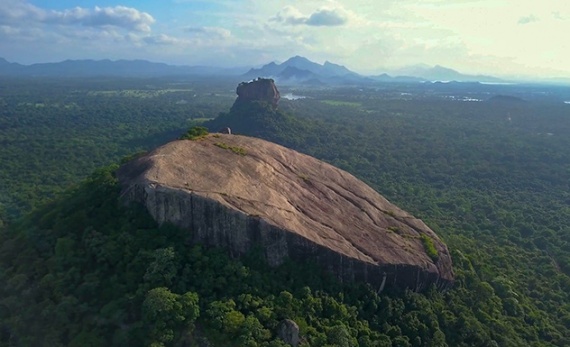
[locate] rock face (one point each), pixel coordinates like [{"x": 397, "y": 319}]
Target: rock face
[
  {"x": 238, "y": 192},
  {"x": 261, "y": 89},
  {"x": 288, "y": 331}
]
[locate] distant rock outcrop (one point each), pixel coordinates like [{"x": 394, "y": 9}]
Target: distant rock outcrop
[
  {"x": 239, "y": 192},
  {"x": 261, "y": 89},
  {"x": 288, "y": 331}
]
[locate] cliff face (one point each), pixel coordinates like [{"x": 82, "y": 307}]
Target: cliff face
[
  {"x": 237, "y": 192},
  {"x": 261, "y": 89}
]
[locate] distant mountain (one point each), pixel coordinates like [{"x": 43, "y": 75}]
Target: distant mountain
[
  {"x": 291, "y": 73},
  {"x": 441, "y": 73},
  {"x": 387, "y": 78},
  {"x": 553, "y": 81},
  {"x": 124, "y": 68},
  {"x": 300, "y": 70},
  {"x": 302, "y": 64},
  {"x": 7, "y": 66},
  {"x": 328, "y": 69},
  {"x": 330, "y": 73},
  {"x": 337, "y": 70},
  {"x": 295, "y": 70}
]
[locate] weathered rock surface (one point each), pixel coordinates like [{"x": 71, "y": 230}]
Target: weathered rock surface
[
  {"x": 290, "y": 204},
  {"x": 288, "y": 331},
  {"x": 261, "y": 89}
]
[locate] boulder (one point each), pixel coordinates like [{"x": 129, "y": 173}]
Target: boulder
[
  {"x": 261, "y": 89},
  {"x": 288, "y": 331},
  {"x": 239, "y": 192}
]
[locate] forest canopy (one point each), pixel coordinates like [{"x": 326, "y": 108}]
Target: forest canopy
[{"x": 490, "y": 178}]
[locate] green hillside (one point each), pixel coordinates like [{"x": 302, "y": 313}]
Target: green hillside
[
  {"x": 491, "y": 179},
  {"x": 85, "y": 271}
]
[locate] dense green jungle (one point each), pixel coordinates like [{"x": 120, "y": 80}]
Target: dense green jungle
[{"x": 77, "y": 268}]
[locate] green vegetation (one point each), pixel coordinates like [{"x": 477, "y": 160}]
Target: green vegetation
[
  {"x": 341, "y": 103},
  {"x": 137, "y": 93},
  {"x": 44, "y": 150},
  {"x": 195, "y": 133},
  {"x": 86, "y": 271},
  {"x": 236, "y": 149},
  {"x": 430, "y": 247},
  {"x": 491, "y": 179},
  {"x": 394, "y": 229}
]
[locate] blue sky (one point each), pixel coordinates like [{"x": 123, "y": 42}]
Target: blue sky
[{"x": 499, "y": 37}]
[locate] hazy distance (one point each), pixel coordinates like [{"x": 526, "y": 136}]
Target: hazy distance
[{"x": 504, "y": 38}]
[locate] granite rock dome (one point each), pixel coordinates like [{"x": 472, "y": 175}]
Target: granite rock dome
[{"x": 239, "y": 192}]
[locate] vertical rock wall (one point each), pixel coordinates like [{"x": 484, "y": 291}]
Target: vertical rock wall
[
  {"x": 213, "y": 224},
  {"x": 261, "y": 89}
]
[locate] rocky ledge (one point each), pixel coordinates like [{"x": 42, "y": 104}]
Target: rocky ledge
[
  {"x": 239, "y": 192},
  {"x": 261, "y": 89}
]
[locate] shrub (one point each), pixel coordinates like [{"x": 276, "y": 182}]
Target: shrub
[
  {"x": 430, "y": 247},
  {"x": 235, "y": 149},
  {"x": 195, "y": 133}
]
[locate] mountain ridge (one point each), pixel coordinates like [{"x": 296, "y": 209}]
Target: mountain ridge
[
  {"x": 107, "y": 67},
  {"x": 327, "y": 73},
  {"x": 442, "y": 73},
  {"x": 299, "y": 69}
]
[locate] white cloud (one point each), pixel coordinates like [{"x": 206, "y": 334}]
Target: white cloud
[
  {"x": 558, "y": 15},
  {"x": 326, "y": 17},
  {"x": 162, "y": 39},
  {"x": 472, "y": 36},
  {"x": 290, "y": 15},
  {"x": 8, "y": 30},
  {"x": 322, "y": 17},
  {"x": 22, "y": 12},
  {"x": 209, "y": 31},
  {"x": 528, "y": 19}
]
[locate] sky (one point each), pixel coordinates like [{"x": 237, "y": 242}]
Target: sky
[{"x": 497, "y": 37}]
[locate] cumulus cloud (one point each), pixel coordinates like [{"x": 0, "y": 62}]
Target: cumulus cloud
[
  {"x": 558, "y": 15},
  {"x": 322, "y": 17},
  {"x": 326, "y": 18},
  {"x": 209, "y": 31},
  {"x": 161, "y": 39},
  {"x": 290, "y": 15},
  {"x": 528, "y": 19},
  {"x": 8, "y": 30},
  {"x": 15, "y": 11},
  {"x": 118, "y": 16}
]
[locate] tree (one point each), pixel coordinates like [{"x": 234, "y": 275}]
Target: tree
[
  {"x": 163, "y": 268},
  {"x": 195, "y": 133},
  {"x": 339, "y": 336},
  {"x": 164, "y": 312}
]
